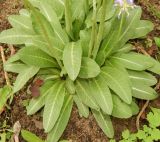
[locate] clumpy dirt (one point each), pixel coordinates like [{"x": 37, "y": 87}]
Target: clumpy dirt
[{"x": 78, "y": 129}]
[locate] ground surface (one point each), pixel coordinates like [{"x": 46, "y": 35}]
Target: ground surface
[{"x": 78, "y": 129}]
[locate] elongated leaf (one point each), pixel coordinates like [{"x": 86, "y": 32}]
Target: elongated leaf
[
  {"x": 51, "y": 16},
  {"x": 4, "y": 95},
  {"x": 84, "y": 39},
  {"x": 133, "y": 61},
  {"x": 119, "y": 82},
  {"x": 42, "y": 27},
  {"x": 15, "y": 67},
  {"x": 84, "y": 93},
  {"x": 70, "y": 86},
  {"x": 53, "y": 106},
  {"x": 102, "y": 94},
  {"x": 40, "y": 43},
  {"x": 15, "y": 36},
  {"x": 89, "y": 68},
  {"x": 21, "y": 22},
  {"x": 143, "y": 28},
  {"x": 62, "y": 121},
  {"x": 30, "y": 137},
  {"x": 58, "y": 6},
  {"x": 143, "y": 92},
  {"x": 36, "y": 57},
  {"x": 156, "y": 67},
  {"x": 13, "y": 58},
  {"x": 142, "y": 78},
  {"x": 23, "y": 77},
  {"x": 36, "y": 104},
  {"x": 122, "y": 30},
  {"x": 72, "y": 59},
  {"x": 82, "y": 108},
  {"x": 126, "y": 48},
  {"x": 104, "y": 122},
  {"x": 120, "y": 108}
]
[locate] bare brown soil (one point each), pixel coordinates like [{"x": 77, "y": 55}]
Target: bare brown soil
[{"x": 78, "y": 129}]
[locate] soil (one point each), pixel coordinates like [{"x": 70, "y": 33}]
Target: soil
[{"x": 78, "y": 129}]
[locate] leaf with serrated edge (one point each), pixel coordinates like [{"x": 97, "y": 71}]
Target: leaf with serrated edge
[
  {"x": 84, "y": 93},
  {"x": 72, "y": 59},
  {"x": 62, "y": 121},
  {"x": 102, "y": 94},
  {"x": 119, "y": 82},
  {"x": 53, "y": 105},
  {"x": 104, "y": 122},
  {"x": 23, "y": 77}
]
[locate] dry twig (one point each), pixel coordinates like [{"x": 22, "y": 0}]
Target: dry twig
[
  {"x": 4, "y": 60},
  {"x": 140, "y": 113}
]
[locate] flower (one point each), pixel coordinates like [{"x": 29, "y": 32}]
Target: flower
[{"x": 124, "y": 5}]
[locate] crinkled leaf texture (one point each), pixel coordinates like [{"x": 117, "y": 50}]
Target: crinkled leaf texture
[{"x": 57, "y": 50}]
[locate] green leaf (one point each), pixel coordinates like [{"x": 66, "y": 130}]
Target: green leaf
[
  {"x": 85, "y": 39},
  {"x": 109, "y": 11},
  {"x": 102, "y": 94},
  {"x": 37, "y": 103},
  {"x": 40, "y": 43},
  {"x": 51, "y": 16},
  {"x": 23, "y": 77},
  {"x": 58, "y": 6},
  {"x": 133, "y": 61},
  {"x": 118, "y": 81},
  {"x": 104, "y": 122},
  {"x": 157, "y": 41},
  {"x": 82, "y": 108},
  {"x": 4, "y": 95},
  {"x": 156, "y": 67},
  {"x": 21, "y": 22},
  {"x": 16, "y": 67},
  {"x": 153, "y": 118},
  {"x": 30, "y": 137},
  {"x": 84, "y": 93},
  {"x": 36, "y": 57},
  {"x": 89, "y": 68},
  {"x": 144, "y": 92},
  {"x": 125, "y": 49},
  {"x": 142, "y": 77},
  {"x": 120, "y": 109},
  {"x": 62, "y": 121},
  {"x": 134, "y": 107},
  {"x": 126, "y": 134},
  {"x": 72, "y": 59},
  {"x": 42, "y": 27},
  {"x": 15, "y": 36},
  {"x": 70, "y": 86},
  {"x": 122, "y": 30},
  {"x": 3, "y": 137},
  {"x": 143, "y": 28},
  {"x": 53, "y": 106}
]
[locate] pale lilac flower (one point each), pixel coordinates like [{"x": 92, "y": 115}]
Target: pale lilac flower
[{"x": 124, "y": 5}]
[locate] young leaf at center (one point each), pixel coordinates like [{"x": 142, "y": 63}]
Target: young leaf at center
[{"x": 72, "y": 59}]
